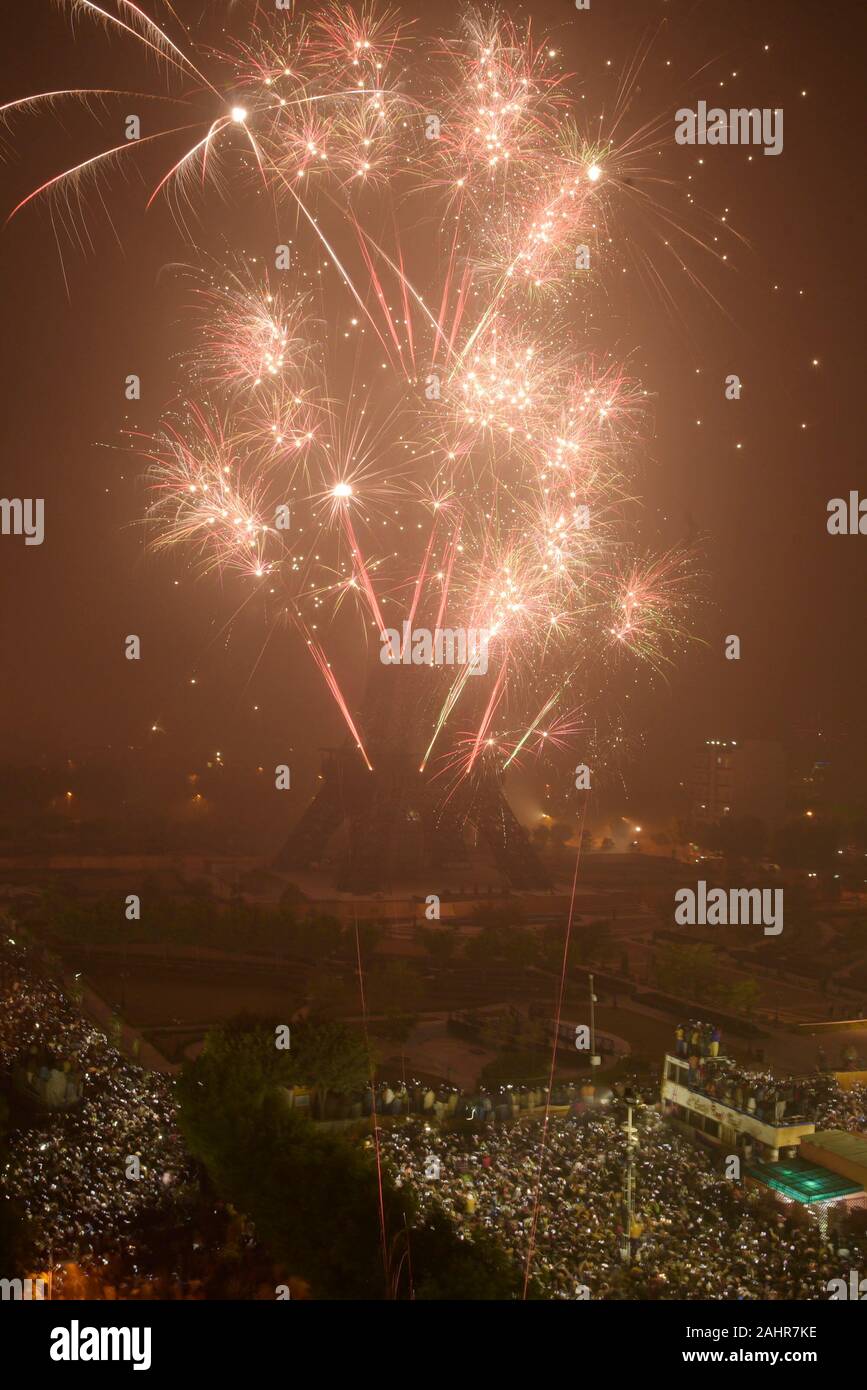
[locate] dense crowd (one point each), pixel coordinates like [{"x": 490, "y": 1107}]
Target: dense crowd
[
  {"x": 774, "y": 1101},
  {"x": 67, "y": 1170},
  {"x": 693, "y": 1235},
  {"x": 447, "y": 1103},
  {"x": 550, "y": 1188},
  {"x": 760, "y": 1094}
]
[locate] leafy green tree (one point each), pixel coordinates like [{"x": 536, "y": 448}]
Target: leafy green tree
[
  {"x": 742, "y": 996},
  {"x": 466, "y": 1270},
  {"x": 316, "y": 1199},
  {"x": 690, "y": 971},
  {"x": 485, "y": 947},
  {"x": 330, "y": 1058},
  {"x": 247, "y": 1068},
  {"x": 312, "y": 1196},
  {"x": 520, "y": 946}
]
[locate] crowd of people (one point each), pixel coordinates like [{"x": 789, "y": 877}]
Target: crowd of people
[
  {"x": 550, "y": 1187},
  {"x": 448, "y": 1103},
  {"x": 88, "y": 1178},
  {"x": 555, "y": 1195},
  {"x": 754, "y": 1093},
  {"x": 794, "y": 1100}
]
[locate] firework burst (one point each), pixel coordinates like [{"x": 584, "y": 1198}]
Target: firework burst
[{"x": 425, "y": 437}]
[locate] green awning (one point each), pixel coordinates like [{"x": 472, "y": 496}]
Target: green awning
[{"x": 803, "y": 1182}]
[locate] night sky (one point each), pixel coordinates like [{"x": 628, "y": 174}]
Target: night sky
[{"x": 79, "y": 318}]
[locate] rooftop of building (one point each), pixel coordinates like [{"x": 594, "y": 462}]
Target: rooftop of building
[{"x": 852, "y": 1147}]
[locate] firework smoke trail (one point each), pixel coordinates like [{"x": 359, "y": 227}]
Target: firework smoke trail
[
  {"x": 325, "y": 667},
  {"x": 451, "y": 700},
  {"x": 546, "y": 708},
  {"x": 496, "y": 696},
  {"x": 344, "y": 492}
]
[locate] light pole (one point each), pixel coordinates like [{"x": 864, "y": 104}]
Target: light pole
[
  {"x": 629, "y": 1188},
  {"x": 595, "y": 1060}
]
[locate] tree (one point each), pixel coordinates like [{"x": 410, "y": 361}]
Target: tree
[
  {"x": 369, "y": 935},
  {"x": 240, "y": 1064},
  {"x": 316, "y": 1199},
  {"x": 312, "y": 1196},
  {"x": 329, "y": 1057},
  {"x": 485, "y": 947},
  {"x": 742, "y": 996},
  {"x": 690, "y": 971},
  {"x": 448, "y": 1268}
]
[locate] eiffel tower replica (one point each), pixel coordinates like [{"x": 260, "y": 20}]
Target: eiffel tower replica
[{"x": 397, "y": 822}]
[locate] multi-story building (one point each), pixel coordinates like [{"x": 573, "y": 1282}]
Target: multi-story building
[{"x": 738, "y": 778}]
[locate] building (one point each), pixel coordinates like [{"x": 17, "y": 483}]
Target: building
[
  {"x": 810, "y": 788},
  {"x": 723, "y": 1124},
  {"x": 787, "y": 1156},
  {"x": 737, "y": 778},
  {"x": 839, "y": 1152}
]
